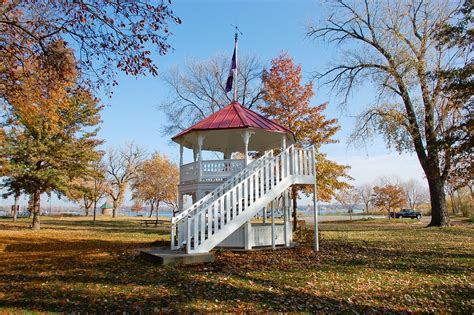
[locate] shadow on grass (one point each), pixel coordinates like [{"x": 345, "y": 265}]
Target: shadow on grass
[
  {"x": 114, "y": 286},
  {"x": 171, "y": 290},
  {"x": 48, "y": 245},
  {"x": 120, "y": 226},
  {"x": 97, "y": 224}
]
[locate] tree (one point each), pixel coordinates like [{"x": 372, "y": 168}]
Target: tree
[
  {"x": 16, "y": 206},
  {"x": 198, "y": 89},
  {"x": 80, "y": 195},
  {"x": 349, "y": 199},
  {"x": 365, "y": 192},
  {"x": 122, "y": 166},
  {"x": 90, "y": 189},
  {"x": 414, "y": 193},
  {"x": 459, "y": 182},
  {"x": 458, "y": 78},
  {"x": 15, "y": 192},
  {"x": 109, "y": 35},
  {"x": 99, "y": 185},
  {"x": 287, "y": 101},
  {"x": 49, "y": 127},
  {"x": 157, "y": 181},
  {"x": 136, "y": 207},
  {"x": 388, "y": 197},
  {"x": 395, "y": 45}
]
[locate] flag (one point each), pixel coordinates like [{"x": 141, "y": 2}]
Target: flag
[{"x": 233, "y": 66}]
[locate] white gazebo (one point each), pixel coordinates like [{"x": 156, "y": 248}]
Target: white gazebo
[{"x": 227, "y": 194}]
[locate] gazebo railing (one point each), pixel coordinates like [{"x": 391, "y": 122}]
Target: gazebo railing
[{"x": 210, "y": 170}]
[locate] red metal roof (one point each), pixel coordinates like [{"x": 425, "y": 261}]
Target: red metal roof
[{"x": 234, "y": 116}]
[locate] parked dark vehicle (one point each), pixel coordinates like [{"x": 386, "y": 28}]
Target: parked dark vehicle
[{"x": 406, "y": 213}]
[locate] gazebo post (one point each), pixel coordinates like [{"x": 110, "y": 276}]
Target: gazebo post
[
  {"x": 180, "y": 201},
  {"x": 283, "y": 142},
  {"x": 195, "y": 154},
  {"x": 181, "y": 149},
  {"x": 246, "y": 137},
  {"x": 315, "y": 205},
  {"x": 272, "y": 211},
  {"x": 200, "y": 143},
  {"x": 285, "y": 218}
]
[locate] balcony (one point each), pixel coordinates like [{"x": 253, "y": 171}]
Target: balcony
[{"x": 210, "y": 170}]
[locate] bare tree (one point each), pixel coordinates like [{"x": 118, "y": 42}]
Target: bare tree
[
  {"x": 121, "y": 167},
  {"x": 415, "y": 192},
  {"x": 365, "y": 192},
  {"x": 394, "y": 44},
  {"x": 197, "y": 89},
  {"x": 349, "y": 199}
]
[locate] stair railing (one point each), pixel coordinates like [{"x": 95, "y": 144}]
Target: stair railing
[
  {"x": 177, "y": 222},
  {"x": 213, "y": 216}
]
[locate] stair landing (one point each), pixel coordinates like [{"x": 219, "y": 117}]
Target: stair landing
[{"x": 166, "y": 256}]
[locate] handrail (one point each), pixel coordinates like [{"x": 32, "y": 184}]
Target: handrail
[{"x": 220, "y": 188}]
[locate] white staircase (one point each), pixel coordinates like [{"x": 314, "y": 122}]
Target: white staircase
[{"x": 213, "y": 218}]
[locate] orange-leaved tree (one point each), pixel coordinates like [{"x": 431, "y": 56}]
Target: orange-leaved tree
[
  {"x": 156, "y": 182},
  {"x": 288, "y": 101},
  {"x": 389, "y": 197}
]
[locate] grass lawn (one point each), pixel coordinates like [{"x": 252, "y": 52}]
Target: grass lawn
[{"x": 373, "y": 266}]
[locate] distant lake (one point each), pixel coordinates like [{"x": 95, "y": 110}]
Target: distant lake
[{"x": 167, "y": 213}]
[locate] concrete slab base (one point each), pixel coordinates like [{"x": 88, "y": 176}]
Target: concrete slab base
[
  {"x": 256, "y": 248},
  {"x": 165, "y": 256}
]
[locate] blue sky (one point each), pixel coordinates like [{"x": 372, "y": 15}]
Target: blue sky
[{"x": 269, "y": 27}]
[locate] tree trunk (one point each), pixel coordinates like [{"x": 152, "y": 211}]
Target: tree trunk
[
  {"x": 439, "y": 211},
  {"x": 294, "y": 196},
  {"x": 114, "y": 208},
  {"x": 460, "y": 203},
  {"x": 95, "y": 211},
  {"x": 15, "y": 207},
  {"x": 29, "y": 207},
  {"x": 152, "y": 205},
  {"x": 453, "y": 205},
  {"x": 157, "y": 211},
  {"x": 350, "y": 215},
  {"x": 36, "y": 210}
]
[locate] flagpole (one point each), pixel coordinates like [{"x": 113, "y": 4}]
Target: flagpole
[{"x": 236, "y": 65}]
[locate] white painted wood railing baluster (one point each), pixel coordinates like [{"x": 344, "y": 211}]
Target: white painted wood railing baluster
[
  {"x": 227, "y": 206},
  {"x": 209, "y": 222},
  {"x": 203, "y": 226},
  {"x": 215, "y": 218}
]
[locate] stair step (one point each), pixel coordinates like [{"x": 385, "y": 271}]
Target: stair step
[{"x": 166, "y": 256}]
